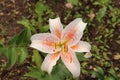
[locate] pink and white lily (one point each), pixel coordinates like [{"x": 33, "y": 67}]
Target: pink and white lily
[{"x": 62, "y": 43}]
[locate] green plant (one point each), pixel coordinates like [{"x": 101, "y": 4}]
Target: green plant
[
  {"x": 42, "y": 9},
  {"x": 75, "y": 2},
  {"x": 100, "y": 74},
  {"x": 59, "y": 73}
]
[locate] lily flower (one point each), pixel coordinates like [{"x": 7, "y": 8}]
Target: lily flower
[{"x": 62, "y": 43}]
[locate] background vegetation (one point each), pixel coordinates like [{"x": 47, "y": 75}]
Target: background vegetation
[{"x": 19, "y": 61}]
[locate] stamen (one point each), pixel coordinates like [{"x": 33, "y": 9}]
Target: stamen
[{"x": 61, "y": 46}]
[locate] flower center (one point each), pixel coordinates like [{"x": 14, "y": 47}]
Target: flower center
[{"x": 62, "y": 46}]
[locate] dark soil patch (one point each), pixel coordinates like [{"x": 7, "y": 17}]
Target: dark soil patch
[
  {"x": 116, "y": 3},
  {"x": 58, "y": 7},
  {"x": 11, "y": 11},
  {"x": 114, "y": 46}
]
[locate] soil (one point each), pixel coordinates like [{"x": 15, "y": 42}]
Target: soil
[{"x": 12, "y": 11}]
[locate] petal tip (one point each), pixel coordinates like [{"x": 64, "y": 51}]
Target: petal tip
[
  {"x": 76, "y": 75},
  {"x": 88, "y": 55},
  {"x": 32, "y": 45}
]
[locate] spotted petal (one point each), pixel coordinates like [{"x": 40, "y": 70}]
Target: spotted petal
[
  {"x": 56, "y": 26},
  {"x": 49, "y": 61},
  {"x": 71, "y": 62},
  {"x": 44, "y": 42},
  {"x": 74, "y": 31}
]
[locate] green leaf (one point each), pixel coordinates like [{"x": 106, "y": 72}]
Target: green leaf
[
  {"x": 99, "y": 73},
  {"x": 107, "y": 64},
  {"x": 101, "y": 13},
  {"x": 114, "y": 18},
  {"x": 39, "y": 75},
  {"x": 105, "y": 2},
  {"x": 96, "y": 3},
  {"x": 113, "y": 74},
  {"x": 109, "y": 78},
  {"x": 13, "y": 40},
  {"x": 102, "y": 2},
  {"x": 3, "y": 51},
  {"x": 34, "y": 72},
  {"x": 22, "y": 54},
  {"x": 37, "y": 58},
  {"x": 22, "y": 38},
  {"x": 75, "y": 2},
  {"x": 118, "y": 41},
  {"x": 59, "y": 72},
  {"x": 24, "y": 22},
  {"x": 81, "y": 57},
  {"x": 27, "y": 24},
  {"x": 1, "y": 43},
  {"x": 44, "y": 28},
  {"x": 12, "y": 56},
  {"x": 40, "y": 8},
  {"x": 100, "y": 70}
]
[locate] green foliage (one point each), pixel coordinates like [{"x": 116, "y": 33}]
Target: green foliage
[
  {"x": 101, "y": 13},
  {"x": 34, "y": 72},
  {"x": 102, "y": 2},
  {"x": 81, "y": 57},
  {"x": 37, "y": 58},
  {"x": 113, "y": 74},
  {"x": 42, "y": 9},
  {"x": 99, "y": 73},
  {"x": 39, "y": 9},
  {"x": 15, "y": 54},
  {"x": 75, "y": 2},
  {"x": 3, "y": 51},
  {"x": 44, "y": 28},
  {"x": 102, "y": 18},
  {"x": 1, "y": 43},
  {"x": 22, "y": 54},
  {"x": 17, "y": 45},
  {"x": 27, "y": 24},
  {"x": 59, "y": 73},
  {"x": 12, "y": 56},
  {"x": 20, "y": 39},
  {"x": 114, "y": 16}
]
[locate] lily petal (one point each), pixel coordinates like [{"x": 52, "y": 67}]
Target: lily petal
[
  {"x": 44, "y": 42},
  {"x": 88, "y": 55},
  {"x": 71, "y": 62},
  {"x": 49, "y": 61},
  {"x": 74, "y": 31},
  {"x": 82, "y": 46},
  {"x": 56, "y": 26}
]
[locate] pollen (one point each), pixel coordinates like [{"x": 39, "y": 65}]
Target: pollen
[{"x": 62, "y": 46}]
